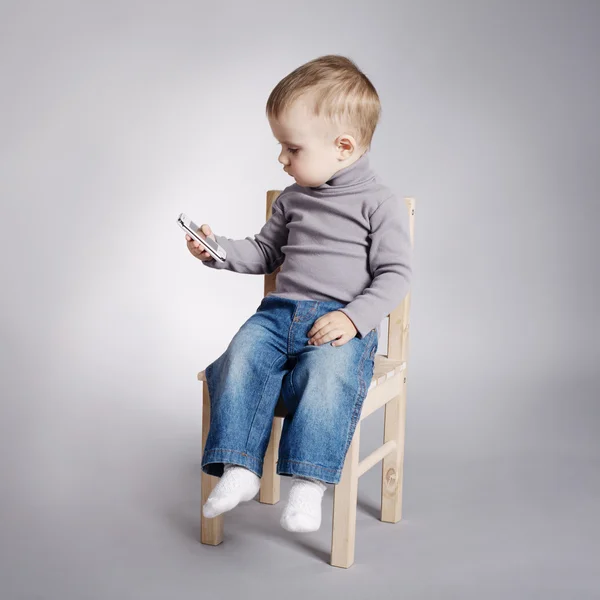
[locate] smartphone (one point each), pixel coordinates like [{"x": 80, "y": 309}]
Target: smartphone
[{"x": 213, "y": 248}]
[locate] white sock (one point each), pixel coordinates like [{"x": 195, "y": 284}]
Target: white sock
[
  {"x": 236, "y": 485},
  {"x": 303, "y": 510}
]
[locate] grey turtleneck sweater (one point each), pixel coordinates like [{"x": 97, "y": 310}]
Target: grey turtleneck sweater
[{"x": 347, "y": 240}]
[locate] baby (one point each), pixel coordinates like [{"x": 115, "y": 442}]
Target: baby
[{"x": 342, "y": 241}]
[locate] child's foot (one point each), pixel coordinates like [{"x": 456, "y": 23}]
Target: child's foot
[
  {"x": 303, "y": 510},
  {"x": 236, "y": 485}
]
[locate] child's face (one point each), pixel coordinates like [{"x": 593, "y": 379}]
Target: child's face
[{"x": 311, "y": 152}]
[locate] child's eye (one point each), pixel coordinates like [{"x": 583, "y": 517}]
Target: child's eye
[{"x": 293, "y": 150}]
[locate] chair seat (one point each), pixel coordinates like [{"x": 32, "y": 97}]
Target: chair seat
[{"x": 384, "y": 368}]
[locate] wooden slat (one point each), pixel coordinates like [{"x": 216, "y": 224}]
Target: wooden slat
[
  {"x": 384, "y": 368},
  {"x": 373, "y": 458},
  {"x": 343, "y": 525},
  {"x": 270, "y": 483},
  {"x": 271, "y": 278},
  {"x": 380, "y": 395},
  {"x": 392, "y": 467},
  {"x": 211, "y": 529}
]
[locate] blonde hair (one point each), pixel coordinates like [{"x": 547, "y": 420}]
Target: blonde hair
[{"x": 342, "y": 95}]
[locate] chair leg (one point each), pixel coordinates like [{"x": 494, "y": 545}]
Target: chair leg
[
  {"x": 345, "y": 497},
  {"x": 392, "y": 467},
  {"x": 270, "y": 481},
  {"x": 211, "y": 529}
]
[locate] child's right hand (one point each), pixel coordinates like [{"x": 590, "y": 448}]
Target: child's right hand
[{"x": 194, "y": 246}]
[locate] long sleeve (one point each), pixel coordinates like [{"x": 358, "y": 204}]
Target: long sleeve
[
  {"x": 259, "y": 254},
  {"x": 390, "y": 260}
]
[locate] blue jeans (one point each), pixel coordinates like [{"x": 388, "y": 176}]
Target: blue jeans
[{"x": 323, "y": 388}]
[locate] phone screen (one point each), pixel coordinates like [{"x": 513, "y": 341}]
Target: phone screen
[{"x": 208, "y": 241}]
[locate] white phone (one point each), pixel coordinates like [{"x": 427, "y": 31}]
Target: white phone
[{"x": 213, "y": 248}]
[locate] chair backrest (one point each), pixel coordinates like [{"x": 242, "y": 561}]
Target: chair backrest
[{"x": 398, "y": 320}]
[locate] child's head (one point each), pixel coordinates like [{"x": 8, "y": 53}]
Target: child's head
[{"x": 324, "y": 114}]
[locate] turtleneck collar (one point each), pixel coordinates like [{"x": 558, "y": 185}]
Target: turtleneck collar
[{"x": 355, "y": 174}]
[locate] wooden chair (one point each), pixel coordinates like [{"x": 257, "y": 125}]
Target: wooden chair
[{"x": 388, "y": 389}]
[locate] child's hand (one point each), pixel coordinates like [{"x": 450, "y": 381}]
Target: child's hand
[
  {"x": 334, "y": 325},
  {"x": 196, "y": 248}
]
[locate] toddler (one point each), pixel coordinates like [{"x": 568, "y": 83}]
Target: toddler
[{"x": 342, "y": 241}]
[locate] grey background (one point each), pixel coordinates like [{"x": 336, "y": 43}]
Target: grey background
[{"x": 117, "y": 116}]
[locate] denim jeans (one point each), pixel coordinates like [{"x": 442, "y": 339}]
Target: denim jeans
[{"x": 323, "y": 388}]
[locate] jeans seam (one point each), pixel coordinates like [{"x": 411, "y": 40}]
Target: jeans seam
[
  {"x": 236, "y": 451},
  {"x": 262, "y": 395},
  {"x": 292, "y": 383},
  {"x": 355, "y": 413},
  {"x": 311, "y": 464},
  {"x": 293, "y": 320}
]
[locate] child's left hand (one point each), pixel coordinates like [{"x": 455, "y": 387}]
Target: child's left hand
[{"x": 334, "y": 325}]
